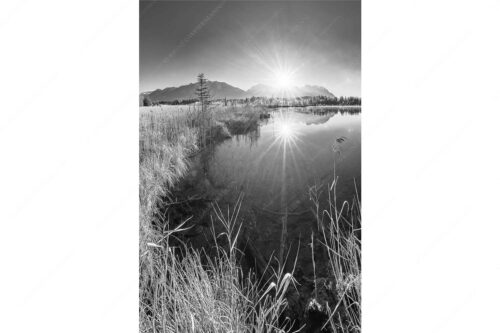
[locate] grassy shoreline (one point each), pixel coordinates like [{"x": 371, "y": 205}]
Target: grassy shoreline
[
  {"x": 183, "y": 289},
  {"x": 213, "y": 297}
]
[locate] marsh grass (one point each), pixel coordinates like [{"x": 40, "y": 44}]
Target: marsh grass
[
  {"x": 189, "y": 291},
  {"x": 340, "y": 229},
  {"x": 240, "y": 120},
  {"x": 165, "y": 141}
]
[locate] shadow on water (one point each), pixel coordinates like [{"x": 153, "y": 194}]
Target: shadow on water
[{"x": 274, "y": 166}]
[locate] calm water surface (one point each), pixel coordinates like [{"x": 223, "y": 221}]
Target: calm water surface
[{"x": 274, "y": 167}]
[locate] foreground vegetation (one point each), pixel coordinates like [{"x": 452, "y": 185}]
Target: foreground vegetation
[{"x": 183, "y": 289}]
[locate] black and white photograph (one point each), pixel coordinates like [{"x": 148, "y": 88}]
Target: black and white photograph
[{"x": 250, "y": 166}]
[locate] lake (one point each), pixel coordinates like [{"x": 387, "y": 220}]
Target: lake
[{"x": 273, "y": 169}]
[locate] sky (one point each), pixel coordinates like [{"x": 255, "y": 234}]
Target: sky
[{"x": 244, "y": 43}]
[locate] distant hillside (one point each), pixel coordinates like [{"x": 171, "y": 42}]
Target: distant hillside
[{"x": 219, "y": 90}]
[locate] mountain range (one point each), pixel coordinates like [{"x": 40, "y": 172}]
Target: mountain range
[{"x": 219, "y": 90}]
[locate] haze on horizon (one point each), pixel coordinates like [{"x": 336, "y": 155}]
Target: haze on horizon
[{"x": 244, "y": 43}]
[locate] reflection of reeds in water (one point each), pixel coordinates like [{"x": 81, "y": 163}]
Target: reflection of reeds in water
[
  {"x": 284, "y": 234},
  {"x": 284, "y": 208}
]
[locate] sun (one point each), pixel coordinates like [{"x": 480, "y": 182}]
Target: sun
[
  {"x": 283, "y": 79},
  {"x": 285, "y": 131}
]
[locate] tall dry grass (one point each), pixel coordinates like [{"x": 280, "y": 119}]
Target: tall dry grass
[{"x": 166, "y": 138}]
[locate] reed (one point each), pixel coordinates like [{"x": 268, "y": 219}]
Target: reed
[
  {"x": 186, "y": 290},
  {"x": 340, "y": 228}
]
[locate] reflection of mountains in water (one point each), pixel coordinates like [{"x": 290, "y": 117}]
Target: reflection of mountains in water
[
  {"x": 322, "y": 110},
  {"x": 319, "y": 120},
  {"x": 326, "y": 113}
]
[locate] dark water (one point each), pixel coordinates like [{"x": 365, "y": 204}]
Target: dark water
[{"x": 273, "y": 168}]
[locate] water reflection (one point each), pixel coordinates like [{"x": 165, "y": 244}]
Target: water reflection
[
  {"x": 299, "y": 142},
  {"x": 274, "y": 167}
]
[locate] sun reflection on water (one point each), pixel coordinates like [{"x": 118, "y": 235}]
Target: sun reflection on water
[{"x": 286, "y": 130}]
